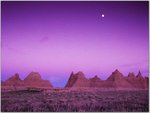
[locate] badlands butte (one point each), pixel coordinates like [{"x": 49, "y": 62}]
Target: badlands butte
[{"x": 115, "y": 81}]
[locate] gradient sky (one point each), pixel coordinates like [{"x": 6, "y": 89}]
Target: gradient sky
[{"x": 56, "y": 38}]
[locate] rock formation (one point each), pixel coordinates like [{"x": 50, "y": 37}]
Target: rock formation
[
  {"x": 139, "y": 75},
  {"x": 141, "y": 81},
  {"x": 116, "y": 75},
  {"x": 14, "y": 78},
  {"x": 131, "y": 76},
  {"x": 95, "y": 79},
  {"x": 115, "y": 81},
  {"x": 33, "y": 80},
  {"x": 13, "y": 83},
  {"x": 137, "y": 81},
  {"x": 77, "y": 80},
  {"x": 96, "y": 82}
]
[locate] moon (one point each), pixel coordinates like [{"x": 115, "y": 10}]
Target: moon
[{"x": 103, "y": 15}]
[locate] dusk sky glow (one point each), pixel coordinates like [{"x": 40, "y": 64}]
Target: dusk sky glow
[{"x": 56, "y": 38}]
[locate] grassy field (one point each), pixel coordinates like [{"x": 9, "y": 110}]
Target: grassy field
[{"x": 75, "y": 100}]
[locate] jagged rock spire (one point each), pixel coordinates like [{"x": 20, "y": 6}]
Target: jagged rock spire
[
  {"x": 115, "y": 75},
  {"x": 77, "y": 80},
  {"x": 139, "y": 75},
  {"x": 116, "y": 71},
  {"x": 72, "y": 73},
  {"x": 80, "y": 74},
  {"x": 14, "y": 77}
]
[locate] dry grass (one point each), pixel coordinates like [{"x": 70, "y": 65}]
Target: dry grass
[{"x": 75, "y": 100}]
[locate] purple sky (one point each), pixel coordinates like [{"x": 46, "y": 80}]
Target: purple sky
[{"x": 55, "y": 38}]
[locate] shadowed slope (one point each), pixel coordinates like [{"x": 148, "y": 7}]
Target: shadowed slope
[{"x": 77, "y": 80}]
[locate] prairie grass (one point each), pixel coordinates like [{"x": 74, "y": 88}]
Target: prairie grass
[{"x": 76, "y": 100}]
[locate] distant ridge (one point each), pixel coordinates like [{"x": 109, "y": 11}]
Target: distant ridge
[
  {"x": 78, "y": 80},
  {"x": 115, "y": 81},
  {"x": 33, "y": 80}
]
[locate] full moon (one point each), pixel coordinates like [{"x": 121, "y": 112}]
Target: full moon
[{"x": 103, "y": 15}]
